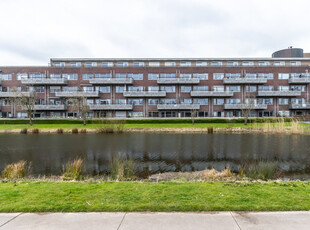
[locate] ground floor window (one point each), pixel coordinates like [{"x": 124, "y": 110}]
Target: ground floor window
[
  {"x": 218, "y": 114},
  {"x": 153, "y": 114},
  {"x": 168, "y": 114},
  {"x": 135, "y": 114},
  {"x": 265, "y": 113},
  {"x": 5, "y": 114},
  {"x": 21, "y": 115}
]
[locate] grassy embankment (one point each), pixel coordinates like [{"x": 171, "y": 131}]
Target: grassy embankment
[{"x": 43, "y": 196}]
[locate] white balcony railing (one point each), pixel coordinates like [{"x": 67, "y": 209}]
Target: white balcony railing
[
  {"x": 245, "y": 81},
  {"x": 110, "y": 107},
  {"x": 45, "y": 81},
  {"x": 108, "y": 81},
  {"x": 299, "y": 80},
  {"x": 278, "y": 93},
  {"x": 212, "y": 93},
  {"x": 14, "y": 94},
  {"x": 178, "y": 81},
  {"x": 299, "y": 106},
  {"x": 144, "y": 94},
  {"x": 245, "y": 106},
  {"x": 77, "y": 94},
  {"x": 50, "y": 107},
  {"x": 178, "y": 107}
]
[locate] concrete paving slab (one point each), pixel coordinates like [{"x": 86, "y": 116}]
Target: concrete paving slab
[
  {"x": 5, "y": 217},
  {"x": 273, "y": 220},
  {"x": 66, "y": 221},
  {"x": 178, "y": 221}
]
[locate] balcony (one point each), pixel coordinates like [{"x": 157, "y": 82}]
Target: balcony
[
  {"x": 110, "y": 107},
  {"x": 14, "y": 94},
  {"x": 212, "y": 93},
  {"x": 244, "y": 81},
  {"x": 77, "y": 94},
  {"x": 50, "y": 107},
  {"x": 178, "y": 107},
  {"x": 45, "y": 81},
  {"x": 278, "y": 93},
  {"x": 178, "y": 81},
  {"x": 299, "y": 106},
  {"x": 298, "y": 80},
  {"x": 111, "y": 81},
  {"x": 245, "y": 106},
  {"x": 144, "y": 94}
]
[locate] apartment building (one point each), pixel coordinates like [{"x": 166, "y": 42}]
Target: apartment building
[{"x": 158, "y": 87}]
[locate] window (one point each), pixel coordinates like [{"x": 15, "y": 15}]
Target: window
[
  {"x": 247, "y": 63},
  {"x": 233, "y": 88},
  {"x": 279, "y": 63},
  {"x": 299, "y": 75},
  {"x": 200, "y": 88},
  {"x": 120, "y": 75},
  {"x": 201, "y": 76},
  {"x": 298, "y": 100},
  {"x": 59, "y": 64},
  {"x": 201, "y": 63},
  {"x": 55, "y": 75},
  {"x": 53, "y": 101},
  {"x": 283, "y": 88},
  {"x": 266, "y": 101},
  {"x": 201, "y": 101},
  {"x": 121, "y": 101},
  {"x": 185, "y": 75},
  {"x": 120, "y": 89},
  {"x": 265, "y": 75},
  {"x": 283, "y": 75},
  {"x": 218, "y": 76},
  {"x": 21, "y": 76},
  {"x": 122, "y": 64},
  {"x": 185, "y": 101},
  {"x": 233, "y": 75},
  {"x": 87, "y": 76},
  {"x": 136, "y": 76},
  {"x": 135, "y": 101},
  {"x": 87, "y": 88},
  {"x": 36, "y": 75},
  {"x": 233, "y": 101},
  {"x": 153, "y": 88},
  {"x": 301, "y": 88},
  {"x": 38, "y": 89},
  {"x": 251, "y": 75},
  {"x": 263, "y": 63},
  {"x": 138, "y": 64},
  {"x": 186, "y": 89},
  {"x": 218, "y": 88},
  {"x": 135, "y": 114},
  {"x": 218, "y": 101},
  {"x": 167, "y": 101},
  {"x": 185, "y": 63},
  {"x": 295, "y": 63},
  {"x": 90, "y": 101},
  {"x": 70, "y": 76},
  {"x": 167, "y": 75},
  {"x": 216, "y": 63},
  {"x": 75, "y": 64},
  {"x": 153, "y": 101},
  {"x": 154, "y": 64},
  {"x": 170, "y": 63},
  {"x": 102, "y": 75},
  {"x": 22, "y": 88},
  {"x": 135, "y": 88},
  {"x": 103, "y": 101},
  {"x": 232, "y": 63},
  {"x": 152, "y": 76},
  {"x": 168, "y": 89},
  {"x": 91, "y": 64},
  {"x": 265, "y": 88},
  {"x": 107, "y": 64},
  {"x": 103, "y": 89},
  {"x": 283, "y": 101},
  {"x": 251, "y": 88},
  {"x": 54, "y": 89},
  {"x": 70, "y": 88}
]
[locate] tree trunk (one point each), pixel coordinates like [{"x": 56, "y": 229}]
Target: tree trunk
[
  {"x": 84, "y": 121},
  {"x": 245, "y": 120},
  {"x": 30, "y": 120}
]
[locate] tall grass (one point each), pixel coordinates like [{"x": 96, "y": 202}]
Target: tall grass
[
  {"x": 212, "y": 174},
  {"x": 73, "y": 170},
  {"x": 263, "y": 170},
  {"x": 110, "y": 126},
  {"x": 122, "y": 169},
  {"x": 15, "y": 170}
]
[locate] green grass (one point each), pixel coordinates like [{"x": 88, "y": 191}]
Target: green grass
[{"x": 45, "y": 196}]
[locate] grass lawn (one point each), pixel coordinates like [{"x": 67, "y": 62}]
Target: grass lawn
[{"x": 43, "y": 196}]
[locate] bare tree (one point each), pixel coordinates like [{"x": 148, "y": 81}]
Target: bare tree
[
  {"x": 248, "y": 106},
  {"x": 26, "y": 102},
  {"x": 79, "y": 103},
  {"x": 193, "y": 115}
]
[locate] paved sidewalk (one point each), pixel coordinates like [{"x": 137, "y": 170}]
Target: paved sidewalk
[{"x": 150, "y": 221}]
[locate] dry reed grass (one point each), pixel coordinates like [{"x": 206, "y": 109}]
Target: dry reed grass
[
  {"x": 15, "y": 170},
  {"x": 73, "y": 169}
]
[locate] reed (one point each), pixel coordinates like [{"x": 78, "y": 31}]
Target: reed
[
  {"x": 74, "y": 131},
  {"x": 212, "y": 174},
  {"x": 210, "y": 129},
  {"x": 110, "y": 126},
  {"x": 60, "y": 131},
  {"x": 35, "y": 131},
  {"x": 73, "y": 169},
  {"x": 24, "y": 131},
  {"x": 263, "y": 170},
  {"x": 122, "y": 169},
  {"x": 83, "y": 131},
  {"x": 15, "y": 170}
]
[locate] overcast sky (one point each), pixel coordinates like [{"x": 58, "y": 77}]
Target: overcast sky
[{"x": 32, "y": 31}]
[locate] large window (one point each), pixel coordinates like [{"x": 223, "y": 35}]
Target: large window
[
  {"x": 263, "y": 63},
  {"x": 138, "y": 64},
  {"x": 233, "y": 88},
  {"x": 201, "y": 76},
  {"x": 201, "y": 101},
  {"x": 135, "y": 101},
  {"x": 284, "y": 75},
  {"x": 70, "y": 76},
  {"x": 103, "y": 89},
  {"x": 298, "y": 100},
  {"x": 87, "y": 76},
  {"x": 218, "y": 88},
  {"x": 75, "y": 64},
  {"x": 216, "y": 63},
  {"x": 301, "y": 88},
  {"x": 283, "y": 88},
  {"x": 185, "y": 75},
  {"x": 218, "y": 76},
  {"x": 21, "y": 76},
  {"x": 218, "y": 101},
  {"x": 136, "y": 76},
  {"x": 90, "y": 64},
  {"x": 36, "y": 75},
  {"x": 232, "y": 63},
  {"x": 152, "y": 76},
  {"x": 251, "y": 88},
  {"x": 153, "y": 88},
  {"x": 170, "y": 63},
  {"x": 102, "y": 75},
  {"x": 200, "y": 88},
  {"x": 265, "y": 88},
  {"x": 167, "y": 75},
  {"x": 247, "y": 63},
  {"x": 233, "y": 75},
  {"x": 233, "y": 101},
  {"x": 87, "y": 88},
  {"x": 267, "y": 101},
  {"x": 120, "y": 89},
  {"x": 185, "y": 63},
  {"x": 135, "y": 88},
  {"x": 154, "y": 64},
  {"x": 153, "y": 101},
  {"x": 38, "y": 89},
  {"x": 121, "y": 101},
  {"x": 168, "y": 89},
  {"x": 107, "y": 64},
  {"x": 103, "y": 101},
  {"x": 54, "y": 89},
  {"x": 201, "y": 63},
  {"x": 185, "y": 101},
  {"x": 279, "y": 63},
  {"x": 69, "y": 88},
  {"x": 55, "y": 75},
  {"x": 122, "y": 64},
  {"x": 283, "y": 101},
  {"x": 265, "y": 75},
  {"x": 167, "y": 101},
  {"x": 186, "y": 89},
  {"x": 120, "y": 75}
]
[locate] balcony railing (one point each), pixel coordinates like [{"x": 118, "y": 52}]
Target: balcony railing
[
  {"x": 299, "y": 106},
  {"x": 110, "y": 107},
  {"x": 245, "y": 81},
  {"x": 299, "y": 80},
  {"x": 77, "y": 94},
  {"x": 212, "y": 93},
  {"x": 108, "y": 81},
  {"x": 144, "y": 94},
  {"x": 178, "y": 107},
  {"x": 45, "y": 81},
  {"x": 50, "y": 107},
  {"x": 178, "y": 81},
  {"x": 14, "y": 94},
  {"x": 278, "y": 93},
  {"x": 245, "y": 106}
]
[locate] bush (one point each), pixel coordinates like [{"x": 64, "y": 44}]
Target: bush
[
  {"x": 15, "y": 170},
  {"x": 83, "y": 131},
  {"x": 24, "y": 131},
  {"x": 73, "y": 169},
  {"x": 122, "y": 169},
  {"x": 60, "y": 131},
  {"x": 35, "y": 131},
  {"x": 75, "y": 131},
  {"x": 111, "y": 126},
  {"x": 263, "y": 170}
]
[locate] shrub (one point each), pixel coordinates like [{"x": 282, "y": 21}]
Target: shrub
[
  {"x": 122, "y": 169},
  {"x": 83, "y": 131},
  {"x": 35, "y": 131},
  {"x": 111, "y": 126},
  {"x": 263, "y": 170},
  {"x": 213, "y": 174},
  {"x": 73, "y": 169},
  {"x": 210, "y": 129},
  {"x": 24, "y": 131},
  {"x": 15, "y": 170},
  {"x": 60, "y": 131},
  {"x": 75, "y": 131}
]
